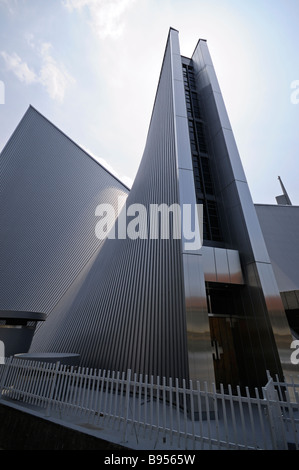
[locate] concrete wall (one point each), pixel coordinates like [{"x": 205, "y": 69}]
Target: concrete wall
[{"x": 23, "y": 431}]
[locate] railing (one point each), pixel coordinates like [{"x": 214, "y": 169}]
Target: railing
[{"x": 139, "y": 411}]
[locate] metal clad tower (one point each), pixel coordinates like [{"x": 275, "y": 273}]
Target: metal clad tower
[
  {"x": 130, "y": 310},
  {"x": 259, "y": 334}
]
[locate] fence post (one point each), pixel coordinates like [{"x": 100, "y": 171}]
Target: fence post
[
  {"x": 4, "y": 375},
  {"x": 127, "y": 403},
  {"x": 275, "y": 416},
  {"x": 48, "y": 412}
]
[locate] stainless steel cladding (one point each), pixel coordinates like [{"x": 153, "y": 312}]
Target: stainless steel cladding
[
  {"x": 49, "y": 188},
  {"x": 129, "y": 311},
  {"x": 266, "y": 343}
]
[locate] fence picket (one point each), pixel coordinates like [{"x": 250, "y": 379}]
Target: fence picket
[
  {"x": 164, "y": 404},
  {"x": 101, "y": 410},
  {"x": 69, "y": 391},
  {"x": 233, "y": 415},
  {"x": 157, "y": 398},
  {"x": 122, "y": 399},
  {"x": 171, "y": 410},
  {"x": 139, "y": 420},
  {"x": 58, "y": 386},
  {"x": 199, "y": 405},
  {"x": 114, "y": 403},
  {"x": 146, "y": 400},
  {"x": 177, "y": 396},
  {"x": 192, "y": 413},
  {"x": 133, "y": 409},
  {"x": 127, "y": 404},
  {"x": 52, "y": 391},
  {"x": 15, "y": 379},
  {"x": 241, "y": 410},
  {"x": 207, "y": 404},
  {"x": 110, "y": 395}
]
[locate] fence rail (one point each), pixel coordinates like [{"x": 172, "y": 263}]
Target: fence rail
[{"x": 164, "y": 414}]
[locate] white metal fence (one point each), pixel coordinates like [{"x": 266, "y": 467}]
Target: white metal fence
[{"x": 141, "y": 413}]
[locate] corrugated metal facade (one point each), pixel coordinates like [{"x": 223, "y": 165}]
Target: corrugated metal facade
[
  {"x": 49, "y": 188},
  {"x": 129, "y": 311}
]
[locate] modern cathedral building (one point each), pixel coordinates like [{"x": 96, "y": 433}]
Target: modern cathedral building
[{"x": 157, "y": 305}]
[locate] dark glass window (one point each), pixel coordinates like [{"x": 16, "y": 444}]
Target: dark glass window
[{"x": 203, "y": 181}]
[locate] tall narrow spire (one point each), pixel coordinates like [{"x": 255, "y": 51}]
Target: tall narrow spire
[{"x": 284, "y": 198}]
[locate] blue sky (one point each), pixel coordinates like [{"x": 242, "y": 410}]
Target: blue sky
[{"x": 92, "y": 68}]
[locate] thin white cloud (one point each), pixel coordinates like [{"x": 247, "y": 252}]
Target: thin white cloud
[
  {"x": 10, "y": 5},
  {"x": 125, "y": 179},
  {"x": 19, "y": 68},
  {"x": 52, "y": 76},
  {"x": 107, "y": 17}
]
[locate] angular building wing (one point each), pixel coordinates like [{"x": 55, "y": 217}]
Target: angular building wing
[
  {"x": 49, "y": 188},
  {"x": 280, "y": 226}
]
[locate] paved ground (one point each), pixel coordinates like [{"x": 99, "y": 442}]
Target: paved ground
[{"x": 139, "y": 437}]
